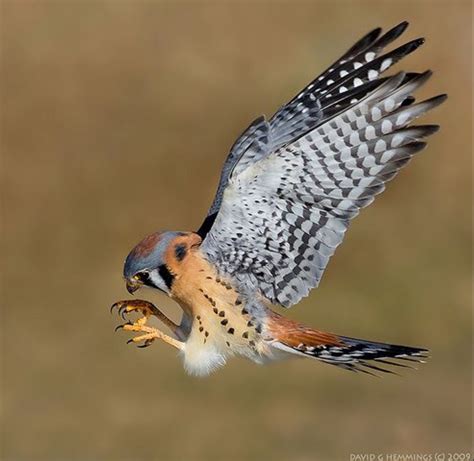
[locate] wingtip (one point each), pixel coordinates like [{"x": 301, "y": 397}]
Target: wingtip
[
  {"x": 417, "y": 42},
  {"x": 368, "y": 39},
  {"x": 374, "y": 33},
  {"x": 400, "y": 28},
  {"x": 439, "y": 99},
  {"x": 422, "y": 77},
  {"x": 431, "y": 129}
]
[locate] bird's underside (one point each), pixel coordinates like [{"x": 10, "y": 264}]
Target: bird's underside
[
  {"x": 288, "y": 191},
  {"x": 221, "y": 320}
]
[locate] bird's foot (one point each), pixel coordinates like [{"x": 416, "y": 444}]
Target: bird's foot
[
  {"x": 149, "y": 335},
  {"x": 147, "y": 309}
]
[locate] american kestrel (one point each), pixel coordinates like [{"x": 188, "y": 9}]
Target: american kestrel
[{"x": 288, "y": 190}]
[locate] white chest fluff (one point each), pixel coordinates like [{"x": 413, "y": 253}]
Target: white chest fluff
[
  {"x": 201, "y": 358},
  {"x": 214, "y": 338}
]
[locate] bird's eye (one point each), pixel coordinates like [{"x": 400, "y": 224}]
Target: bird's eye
[{"x": 141, "y": 277}]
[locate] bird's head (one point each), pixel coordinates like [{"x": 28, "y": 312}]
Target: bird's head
[{"x": 155, "y": 260}]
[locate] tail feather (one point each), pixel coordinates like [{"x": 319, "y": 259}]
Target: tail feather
[
  {"x": 342, "y": 351},
  {"x": 357, "y": 352},
  {"x": 358, "y": 355},
  {"x": 352, "y": 354}
]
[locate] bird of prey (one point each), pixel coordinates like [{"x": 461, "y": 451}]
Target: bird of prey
[{"x": 288, "y": 190}]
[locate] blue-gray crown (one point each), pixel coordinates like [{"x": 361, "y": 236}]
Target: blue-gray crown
[{"x": 149, "y": 253}]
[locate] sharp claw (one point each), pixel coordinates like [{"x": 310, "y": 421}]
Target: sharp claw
[
  {"x": 117, "y": 305},
  {"x": 119, "y": 327},
  {"x": 129, "y": 341},
  {"x": 148, "y": 342}
]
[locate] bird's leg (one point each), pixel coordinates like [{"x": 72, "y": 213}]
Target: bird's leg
[{"x": 150, "y": 334}]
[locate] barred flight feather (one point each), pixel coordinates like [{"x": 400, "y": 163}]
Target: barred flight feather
[{"x": 291, "y": 185}]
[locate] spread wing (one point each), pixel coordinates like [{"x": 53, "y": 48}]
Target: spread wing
[{"x": 291, "y": 185}]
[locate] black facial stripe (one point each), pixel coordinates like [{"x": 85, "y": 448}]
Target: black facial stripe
[
  {"x": 180, "y": 252},
  {"x": 166, "y": 275}
]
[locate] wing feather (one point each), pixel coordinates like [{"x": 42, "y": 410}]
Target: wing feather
[{"x": 293, "y": 184}]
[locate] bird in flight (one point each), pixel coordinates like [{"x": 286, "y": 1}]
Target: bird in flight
[{"x": 288, "y": 190}]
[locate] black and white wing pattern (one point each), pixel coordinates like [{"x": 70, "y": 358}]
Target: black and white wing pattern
[{"x": 291, "y": 185}]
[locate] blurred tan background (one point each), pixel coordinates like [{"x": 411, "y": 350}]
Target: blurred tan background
[{"x": 116, "y": 118}]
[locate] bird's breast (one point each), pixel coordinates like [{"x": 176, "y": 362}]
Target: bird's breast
[{"x": 222, "y": 322}]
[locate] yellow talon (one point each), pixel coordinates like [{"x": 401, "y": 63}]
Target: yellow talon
[{"x": 147, "y": 309}]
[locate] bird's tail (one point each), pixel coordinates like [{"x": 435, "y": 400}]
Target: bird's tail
[{"x": 348, "y": 353}]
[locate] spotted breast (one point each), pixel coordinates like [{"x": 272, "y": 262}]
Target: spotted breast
[{"x": 223, "y": 320}]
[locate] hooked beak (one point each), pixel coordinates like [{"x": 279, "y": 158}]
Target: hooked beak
[{"x": 132, "y": 285}]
